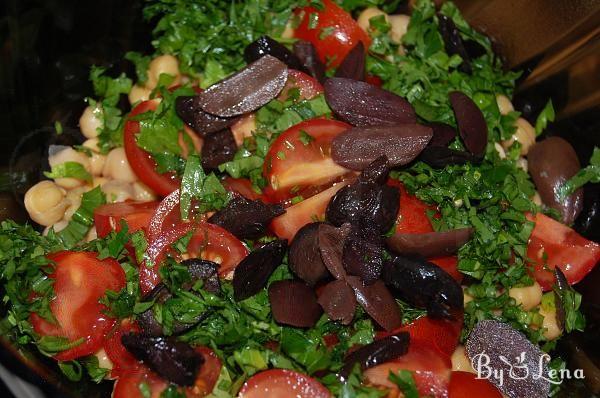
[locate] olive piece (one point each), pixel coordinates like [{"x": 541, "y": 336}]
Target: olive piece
[
  {"x": 440, "y": 157},
  {"x": 305, "y": 255},
  {"x": 253, "y": 272},
  {"x": 331, "y": 246},
  {"x": 189, "y": 110},
  {"x": 265, "y": 45},
  {"x": 376, "y": 353},
  {"x": 454, "y": 43},
  {"x": 307, "y": 53},
  {"x": 551, "y": 163},
  {"x": 378, "y": 302},
  {"x": 338, "y": 301},
  {"x": 431, "y": 244},
  {"x": 294, "y": 303},
  {"x": 363, "y": 254},
  {"x": 471, "y": 123},
  {"x": 218, "y": 148},
  {"x": 353, "y": 66},
  {"x": 443, "y": 134}
]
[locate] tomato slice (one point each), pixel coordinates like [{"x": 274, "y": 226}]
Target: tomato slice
[
  {"x": 141, "y": 162},
  {"x": 450, "y": 265},
  {"x": 282, "y": 383},
  {"x": 307, "y": 211},
  {"x": 80, "y": 280},
  {"x": 467, "y": 385},
  {"x": 242, "y": 186},
  {"x": 335, "y": 33},
  {"x": 308, "y": 86},
  {"x": 430, "y": 371},
  {"x": 412, "y": 217},
  {"x": 137, "y": 215},
  {"x": 554, "y": 244},
  {"x": 300, "y": 158},
  {"x": 128, "y": 384},
  {"x": 209, "y": 242},
  {"x": 166, "y": 216},
  {"x": 123, "y": 361}
]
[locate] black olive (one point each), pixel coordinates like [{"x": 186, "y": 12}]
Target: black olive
[
  {"x": 218, "y": 148},
  {"x": 376, "y": 353},
  {"x": 471, "y": 123},
  {"x": 307, "y": 53},
  {"x": 265, "y": 45},
  {"x": 294, "y": 303},
  {"x": 253, "y": 272},
  {"x": 305, "y": 255},
  {"x": 353, "y": 66},
  {"x": 190, "y": 111}
]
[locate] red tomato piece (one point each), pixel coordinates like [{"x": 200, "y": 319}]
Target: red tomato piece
[
  {"x": 412, "y": 217},
  {"x": 553, "y": 244},
  {"x": 208, "y": 375},
  {"x": 308, "y": 86},
  {"x": 467, "y": 385},
  {"x": 282, "y": 383},
  {"x": 450, "y": 265},
  {"x": 335, "y": 33},
  {"x": 374, "y": 80},
  {"x": 166, "y": 216},
  {"x": 137, "y": 215},
  {"x": 80, "y": 280},
  {"x": 141, "y": 162},
  {"x": 123, "y": 361},
  {"x": 307, "y": 211},
  {"x": 300, "y": 158},
  {"x": 242, "y": 186},
  {"x": 431, "y": 371}
]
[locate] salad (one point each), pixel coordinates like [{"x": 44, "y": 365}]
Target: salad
[{"x": 304, "y": 198}]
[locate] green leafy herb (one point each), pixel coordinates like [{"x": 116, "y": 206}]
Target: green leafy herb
[
  {"x": 206, "y": 189},
  {"x": 570, "y": 301},
  {"x": 141, "y": 63},
  {"x": 58, "y": 127},
  {"x": 69, "y": 170},
  {"x": 82, "y": 220},
  {"x": 91, "y": 364},
  {"x": 590, "y": 173},
  {"x": 547, "y": 115},
  {"x": 71, "y": 369},
  {"x": 406, "y": 382}
]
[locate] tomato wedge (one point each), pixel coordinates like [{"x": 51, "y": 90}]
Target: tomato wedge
[
  {"x": 300, "y": 158},
  {"x": 128, "y": 384},
  {"x": 308, "y": 86},
  {"x": 412, "y": 217},
  {"x": 282, "y": 383},
  {"x": 80, "y": 280},
  {"x": 141, "y": 161},
  {"x": 137, "y": 215},
  {"x": 242, "y": 186},
  {"x": 430, "y": 371},
  {"x": 166, "y": 216},
  {"x": 307, "y": 211},
  {"x": 209, "y": 242},
  {"x": 450, "y": 265},
  {"x": 553, "y": 244},
  {"x": 122, "y": 360},
  {"x": 467, "y": 385},
  {"x": 335, "y": 33}
]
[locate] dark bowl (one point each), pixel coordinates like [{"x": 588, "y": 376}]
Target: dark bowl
[{"x": 46, "y": 50}]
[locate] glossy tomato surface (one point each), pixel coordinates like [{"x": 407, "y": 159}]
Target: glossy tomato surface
[
  {"x": 123, "y": 361},
  {"x": 137, "y": 215},
  {"x": 412, "y": 216},
  {"x": 308, "y": 87},
  {"x": 467, "y": 385},
  {"x": 282, "y": 383}
]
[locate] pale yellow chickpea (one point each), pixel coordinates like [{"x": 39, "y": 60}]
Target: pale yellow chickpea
[
  {"x": 366, "y": 15},
  {"x": 93, "y": 144},
  {"x": 97, "y": 162},
  {"x": 166, "y": 64},
  {"x": 550, "y": 324},
  {"x": 536, "y": 198},
  {"x": 117, "y": 191},
  {"x": 466, "y": 297},
  {"x": 103, "y": 361},
  {"x": 91, "y": 235},
  {"x": 243, "y": 128},
  {"x": 504, "y": 104},
  {"x": 523, "y": 164},
  {"x": 528, "y": 296},
  {"x": 142, "y": 193},
  {"x": 500, "y": 150},
  {"x": 117, "y": 166},
  {"x": 524, "y": 134},
  {"x": 398, "y": 27},
  {"x": 460, "y": 360},
  {"x": 98, "y": 181},
  {"x": 139, "y": 94},
  {"x": 69, "y": 154},
  {"x": 46, "y": 203},
  {"x": 90, "y": 121},
  {"x": 74, "y": 198}
]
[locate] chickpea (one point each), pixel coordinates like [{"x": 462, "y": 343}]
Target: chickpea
[
  {"x": 91, "y": 235},
  {"x": 525, "y": 134},
  {"x": 74, "y": 199},
  {"x": 504, "y": 104},
  {"x": 366, "y": 15},
  {"x": 500, "y": 150},
  {"x": 117, "y": 167},
  {"x": 523, "y": 164},
  {"x": 45, "y": 202},
  {"x": 57, "y": 227},
  {"x": 93, "y": 144},
  {"x": 98, "y": 181},
  {"x": 103, "y": 360},
  {"x": 69, "y": 154},
  {"x": 460, "y": 361},
  {"x": 529, "y": 296},
  {"x": 243, "y": 128},
  {"x": 90, "y": 121},
  {"x": 117, "y": 191},
  {"x": 139, "y": 94},
  {"x": 167, "y": 64},
  {"x": 398, "y": 27},
  {"x": 97, "y": 162},
  {"x": 550, "y": 324},
  {"x": 536, "y": 198},
  {"x": 142, "y": 193},
  {"x": 466, "y": 297}
]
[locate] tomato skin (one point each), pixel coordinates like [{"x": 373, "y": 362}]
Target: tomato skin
[
  {"x": 282, "y": 383},
  {"x": 450, "y": 265},
  {"x": 166, "y": 215},
  {"x": 293, "y": 164},
  {"x": 467, "y": 385},
  {"x": 412, "y": 216},
  {"x": 107, "y": 218},
  {"x": 123, "y": 361},
  {"x": 554, "y": 244},
  {"x": 308, "y": 86},
  {"x": 80, "y": 280},
  {"x": 242, "y": 186},
  {"x": 140, "y": 161},
  {"x": 208, "y": 375},
  {"x": 346, "y": 33},
  {"x": 305, "y": 212}
]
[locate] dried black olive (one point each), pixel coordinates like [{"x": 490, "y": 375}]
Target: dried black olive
[
  {"x": 294, "y": 303},
  {"x": 246, "y": 219},
  {"x": 206, "y": 271},
  {"x": 376, "y": 353},
  {"x": 454, "y": 43},
  {"x": 305, "y": 256},
  {"x": 471, "y": 123},
  {"x": 353, "y": 66},
  {"x": 307, "y": 53},
  {"x": 331, "y": 246},
  {"x": 424, "y": 285},
  {"x": 190, "y": 111},
  {"x": 246, "y": 90},
  {"x": 357, "y": 147},
  {"x": 562, "y": 285},
  {"x": 253, "y": 272},
  {"x": 440, "y": 157},
  {"x": 362, "y": 104},
  {"x": 174, "y": 360},
  {"x": 265, "y": 45},
  {"x": 443, "y": 134},
  {"x": 552, "y": 162},
  {"x": 146, "y": 320},
  {"x": 431, "y": 244},
  {"x": 218, "y": 148},
  {"x": 338, "y": 301},
  {"x": 378, "y": 302},
  {"x": 363, "y": 254},
  {"x": 508, "y": 352}
]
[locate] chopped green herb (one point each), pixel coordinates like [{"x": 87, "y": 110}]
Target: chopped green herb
[
  {"x": 206, "y": 189},
  {"x": 69, "y": 170},
  {"x": 547, "y": 115},
  {"x": 406, "y": 382},
  {"x": 590, "y": 173}
]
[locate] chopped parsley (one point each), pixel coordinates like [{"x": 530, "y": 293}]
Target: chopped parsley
[
  {"x": 590, "y": 173},
  {"x": 69, "y": 170},
  {"x": 205, "y": 189}
]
